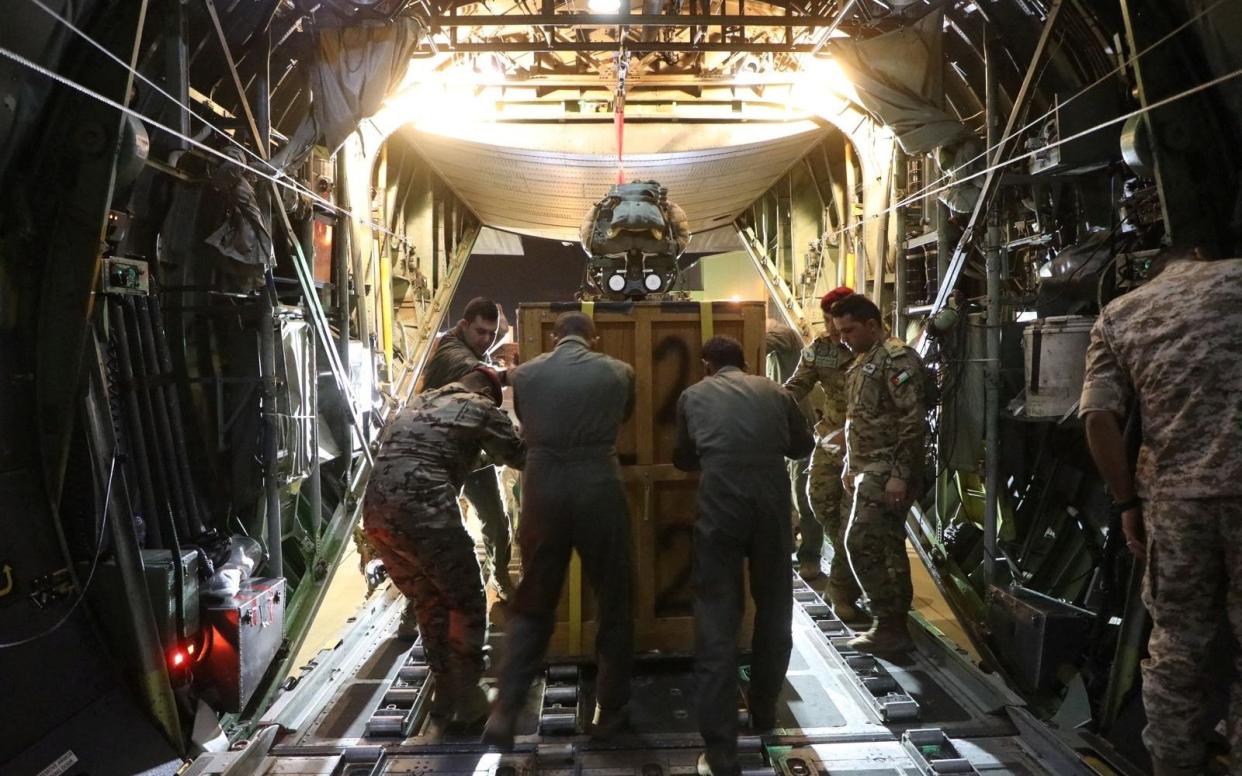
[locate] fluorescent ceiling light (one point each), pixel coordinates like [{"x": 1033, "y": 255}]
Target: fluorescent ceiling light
[{"x": 604, "y": 6}]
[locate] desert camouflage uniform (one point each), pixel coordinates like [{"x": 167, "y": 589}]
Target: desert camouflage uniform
[
  {"x": 1176, "y": 343},
  {"x": 885, "y": 434},
  {"x": 824, "y": 363},
  {"x": 413, "y": 520},
  {"x": 452, "y": 359}
]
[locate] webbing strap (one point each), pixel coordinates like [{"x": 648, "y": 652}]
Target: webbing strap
[{"x": 575, "y": 604}]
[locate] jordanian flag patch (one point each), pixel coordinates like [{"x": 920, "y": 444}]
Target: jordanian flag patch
[{"x": 901, "y": 378}]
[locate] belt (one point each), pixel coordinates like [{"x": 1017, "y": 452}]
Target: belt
[
  {"x": 732, "y": 459},
  {"x": 569, "y": 454}
]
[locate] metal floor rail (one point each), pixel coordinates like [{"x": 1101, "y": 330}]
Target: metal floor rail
[{"x": 360, "y": 709}]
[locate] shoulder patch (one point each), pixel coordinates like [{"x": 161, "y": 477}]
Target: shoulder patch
[
  {"x": 900, "y": 379},
  {"x": 869, "y": 368},
  {"x": 808, "y": 354},
  {"x": 895, "y": 347},
  {"x": 827, "y": 354}
]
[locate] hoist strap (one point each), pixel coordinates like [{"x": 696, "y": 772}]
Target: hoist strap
[{"x": 706, "y": 325}]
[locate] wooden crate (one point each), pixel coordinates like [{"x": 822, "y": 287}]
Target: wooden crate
[{"x": 661, "y": 340}]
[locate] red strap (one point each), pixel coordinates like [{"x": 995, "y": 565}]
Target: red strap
[{"x": 618, "y": 120}]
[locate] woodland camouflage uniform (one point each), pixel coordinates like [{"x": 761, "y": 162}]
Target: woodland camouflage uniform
[
  {"x": 1175, "y": 346},
  {"x": 824, "y": 363},
  {"x": 783, "y": 347},
  {"x": 451, "y": 359},
  {"x": 885, "y": 435},
  {"x": 413, "y": 520}
]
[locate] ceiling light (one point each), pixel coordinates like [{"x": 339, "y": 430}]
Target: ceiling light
[
  {"x": 604, "y": 6},
  {"x": 819, "y": 83}
]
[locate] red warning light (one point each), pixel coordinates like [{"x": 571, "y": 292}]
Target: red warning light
[{"x": 178, "y": 658}]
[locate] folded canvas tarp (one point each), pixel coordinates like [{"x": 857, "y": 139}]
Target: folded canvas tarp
[
  {"x": 899, "y": 80},
  {"x": 353, "y": 70}
]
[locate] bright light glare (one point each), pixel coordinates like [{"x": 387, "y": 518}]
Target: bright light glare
[
  {"x": 820, "y": 81},
  {"x": 604, "y": 6},
  {"x": 442, "y": 106}
]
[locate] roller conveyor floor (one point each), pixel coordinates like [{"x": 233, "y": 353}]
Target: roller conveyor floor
[{"x": 361, "y": 708}]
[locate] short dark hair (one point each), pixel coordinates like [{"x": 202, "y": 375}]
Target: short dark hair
[
  {"x": 574, "y": 324},
  {"x": 480, "y": 307},
  {"x": 724, "y": 351},
  {"x": 858, "y": 307}
]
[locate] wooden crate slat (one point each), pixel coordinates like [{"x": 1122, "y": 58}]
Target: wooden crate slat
[{"x": 661, "y": 341}]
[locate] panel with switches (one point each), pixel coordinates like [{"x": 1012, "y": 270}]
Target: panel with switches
[{"x": 125, "y": 276}]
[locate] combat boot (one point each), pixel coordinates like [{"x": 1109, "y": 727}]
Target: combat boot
[
  {"x": 887, "y": 636},
  {"x": 844, "y": 608},
  {"x": 709, "y": 765},
  {"x": 407, "y": 629},
  {"x": 442, "y": 699},
  {"x": 503, "y": 585},
  {"x": 498, "y": 732},
  {"x": 472, "y": 705},
  {"x": 762, "y": 718}
]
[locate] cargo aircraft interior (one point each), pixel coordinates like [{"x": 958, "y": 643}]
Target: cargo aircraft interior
[{"x": 233, "y": 232}]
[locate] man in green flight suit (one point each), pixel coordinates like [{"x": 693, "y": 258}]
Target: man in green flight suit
[
  {"x": 739, "y": 429},
  {"x": 571, "y": 403}
]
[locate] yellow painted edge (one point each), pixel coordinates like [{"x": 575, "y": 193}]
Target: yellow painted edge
[
  {"x": 588, "y": 309},
  {"x": 575, "y": 604},
  {"x": 706, "y": 324},
  {"x": 385, "y": 295}
]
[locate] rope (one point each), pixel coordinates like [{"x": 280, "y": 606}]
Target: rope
[{"x": 277, "y": 176}]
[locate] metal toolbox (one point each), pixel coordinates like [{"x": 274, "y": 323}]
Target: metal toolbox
[
  {"x": 168, "y": 601},
  {"x": 160, "y": 571},
  {"x": 1037, "y": 635},
  {"x": 244, "y": 633}
]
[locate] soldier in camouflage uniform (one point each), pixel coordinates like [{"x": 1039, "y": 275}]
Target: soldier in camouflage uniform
[
  {"x": 457, "y": 352},
  {"x": 1174, "y": 347},
  {"x": 824, "y": 363},
  {"x": 783, "y": 347},
  {"x": 885, "y": 435},
  {"x": 412, "y": 517}
]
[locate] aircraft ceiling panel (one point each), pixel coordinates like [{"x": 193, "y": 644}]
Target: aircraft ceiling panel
[{"x": 548, "y": 193}]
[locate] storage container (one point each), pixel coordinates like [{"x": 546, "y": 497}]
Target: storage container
[{"x": 1056, "y": 353}]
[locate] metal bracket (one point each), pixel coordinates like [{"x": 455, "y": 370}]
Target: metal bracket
[
  {"x": 933, "y": 753},
  {"x": 405, "y": 703},
  {"x": 883, "y": 692}
]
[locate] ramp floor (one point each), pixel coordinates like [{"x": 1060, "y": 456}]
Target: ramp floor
[{"x": 362, "y": 709}]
